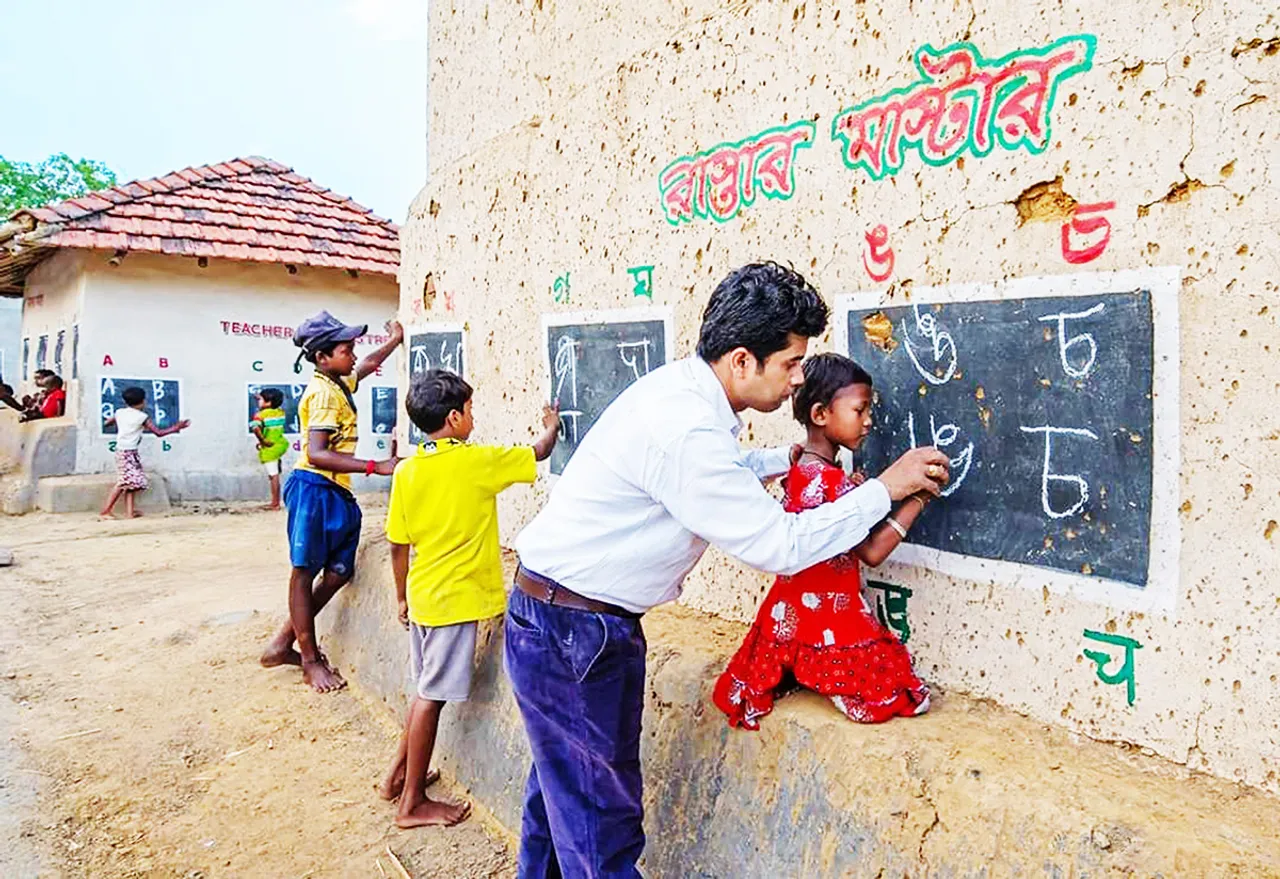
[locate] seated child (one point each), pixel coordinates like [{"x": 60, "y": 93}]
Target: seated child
[
  {"x": 815, "y": 625},
  {"x": 444, "y": 505},
  {"x": 268, "y": 426},
  {"x": 131, "y": 421}
]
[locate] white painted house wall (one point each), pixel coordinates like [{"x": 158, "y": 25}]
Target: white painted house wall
[{"x": 166, "y": 318}]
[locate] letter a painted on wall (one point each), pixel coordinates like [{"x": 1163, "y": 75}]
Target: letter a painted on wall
[{"x": 107, "y": 361}]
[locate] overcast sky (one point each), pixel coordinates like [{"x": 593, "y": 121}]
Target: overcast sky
[{"x": 334, "y": 88}]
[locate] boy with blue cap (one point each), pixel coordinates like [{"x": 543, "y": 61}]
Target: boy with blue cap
[{"x": 324, "y": 518}]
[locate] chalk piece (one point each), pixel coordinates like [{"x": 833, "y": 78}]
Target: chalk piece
[{"x": 6, "y": 557}]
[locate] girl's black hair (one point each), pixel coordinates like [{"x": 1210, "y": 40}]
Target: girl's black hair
[
  {"x": 133, "y": 396},
  {"x": 274, "y": 398},
  {"x": 824, "y": 376}
]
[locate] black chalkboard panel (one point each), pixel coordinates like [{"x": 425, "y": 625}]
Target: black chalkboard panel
[
  {"x": 383, "y": 409},
  {"x": 292, "y": 393},
  {"x": 590, "y": 365},
  {"x": 434, "y": 349},
  {"x": 164, "y": 399},
  {"x": 1044, "y": 406}
]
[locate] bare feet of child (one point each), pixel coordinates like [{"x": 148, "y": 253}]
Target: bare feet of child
[
  {"x": 270, "y": 507},
  {"x": 279, "y": 651},
  {"x": 434, "y": 812},
  {"x": 321, "y": 676},
  {"x": 135, "y": 515},
  {"x": 393, "y": 785}
]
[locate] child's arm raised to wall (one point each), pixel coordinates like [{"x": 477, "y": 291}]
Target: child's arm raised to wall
[
  {"x": 371, "y": 362},
  {"x": 884, "y": 538},
  {"x": 550, "y": 431}
]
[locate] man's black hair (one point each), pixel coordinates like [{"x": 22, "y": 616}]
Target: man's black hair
[
  {"x": 433, "y": 395},
  {"x": 824, "y": 376},
  {"x": 133, "y": 396},
  {"x": 41, "y": 373},
  {"x": 757, "y": 307},
  {"x": 55, "y": 380},
  {"x": 274, "y": 398}
]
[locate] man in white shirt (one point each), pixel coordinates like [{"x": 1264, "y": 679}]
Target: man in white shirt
[{"x": 656, "y": 479}]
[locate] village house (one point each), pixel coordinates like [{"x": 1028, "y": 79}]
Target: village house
[{"x": 189, "y": 286}]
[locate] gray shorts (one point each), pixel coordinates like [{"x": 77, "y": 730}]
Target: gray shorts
[{"x": 441, "y": 660}]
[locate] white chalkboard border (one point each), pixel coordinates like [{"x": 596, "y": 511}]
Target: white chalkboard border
[
  {"x": 182, "y": 404},
  {"x": 664, "y": 313},
  {"x": 1161, "y": 592}
]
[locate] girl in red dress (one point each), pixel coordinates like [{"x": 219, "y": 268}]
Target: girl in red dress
[{"x": 815, "y": 625}]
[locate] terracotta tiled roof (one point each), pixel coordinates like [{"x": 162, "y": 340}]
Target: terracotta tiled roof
[{"x": 245, "y": 209}]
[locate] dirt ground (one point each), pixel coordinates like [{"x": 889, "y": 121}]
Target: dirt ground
[{"x": 139, "y": 737}]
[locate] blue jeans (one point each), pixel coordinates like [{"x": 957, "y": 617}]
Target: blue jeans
[
  {"x": 579, "y": 681},
  {"x": 324, "y": 524}
]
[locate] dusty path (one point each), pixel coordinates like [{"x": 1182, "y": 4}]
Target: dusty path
[{"x": 147, "y": 740}]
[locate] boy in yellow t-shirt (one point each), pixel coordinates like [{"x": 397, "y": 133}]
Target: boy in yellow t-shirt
[{"x": 444, "y": 505}]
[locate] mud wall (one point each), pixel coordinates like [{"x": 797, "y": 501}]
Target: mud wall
[{"x": 555, "y": 168}]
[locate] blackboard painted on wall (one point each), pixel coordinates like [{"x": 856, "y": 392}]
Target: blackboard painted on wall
[
  {"x": 383, "y": 409},
  {"x": 292, "y": 393},
  {"x": 1059, "y": 414},
  {"x": 164, "y": 399},
  {"x": 594, "y": 356},
  {"x": 434, "y": 346}
]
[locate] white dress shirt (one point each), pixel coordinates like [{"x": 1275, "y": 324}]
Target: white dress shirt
[{"x": 658, "y": 477}]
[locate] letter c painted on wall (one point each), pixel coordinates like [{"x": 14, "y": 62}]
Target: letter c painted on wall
[{"x": 257, "y": 366}]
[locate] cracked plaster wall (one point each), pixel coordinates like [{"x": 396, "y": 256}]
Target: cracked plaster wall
[{"x": 551, "y": 121}]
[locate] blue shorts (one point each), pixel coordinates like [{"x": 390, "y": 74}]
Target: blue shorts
[{"x": 324, "y": 524}]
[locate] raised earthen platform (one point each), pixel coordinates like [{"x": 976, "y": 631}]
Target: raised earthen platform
[{"x": 971, "y": 789}]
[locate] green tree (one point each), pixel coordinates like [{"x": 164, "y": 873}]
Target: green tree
[{"x": 57, "y": 178}]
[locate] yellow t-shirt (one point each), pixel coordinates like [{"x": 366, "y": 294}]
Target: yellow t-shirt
[
  {"x": 324, "y": 407},
  {"x": 444, "y": 503}
]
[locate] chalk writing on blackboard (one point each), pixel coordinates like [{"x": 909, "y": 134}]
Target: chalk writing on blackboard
[
  {"x": 593, "y": 357},
  {"x": 291, "y": 392},
  {"x": 1055, "y": 400},
  {"x": 383, "y": 409},
  {"x": 434, "y": 346},
  {"x": 163, "y": 404}
]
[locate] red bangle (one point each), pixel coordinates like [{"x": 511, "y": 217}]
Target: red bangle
[{"x": 370, "y": 466}]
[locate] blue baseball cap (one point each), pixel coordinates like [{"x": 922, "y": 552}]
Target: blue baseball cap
[{"x": 323, "y": 330}]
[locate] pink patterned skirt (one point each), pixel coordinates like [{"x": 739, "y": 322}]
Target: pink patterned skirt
[{"x": 129, "y": 466}]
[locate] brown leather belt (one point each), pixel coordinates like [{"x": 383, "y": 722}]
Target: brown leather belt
[{"x": 548, "y": 591}]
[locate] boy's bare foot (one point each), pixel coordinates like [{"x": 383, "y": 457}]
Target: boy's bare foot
[
  {"x": 279, "y": 651},
  {"x": 135, "y": 515},
  {"x": 434, "y": 812},
  {"x": 321, "y": 677},
  {"x": 393, "y": 785},
  {"x": 106, "y": 514},
  {"x": 271, "y": 507},
  {"x": 275, "y": 655}
]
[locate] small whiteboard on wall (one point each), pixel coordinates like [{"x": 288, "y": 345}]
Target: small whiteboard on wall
[
  {"x": 591, "y": 357},
  {"x": 1056, "y": 400},
  {"x": 433, "y": 346}
]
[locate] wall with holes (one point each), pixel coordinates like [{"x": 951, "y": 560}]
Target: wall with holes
[{"x": 981, "y": 153}]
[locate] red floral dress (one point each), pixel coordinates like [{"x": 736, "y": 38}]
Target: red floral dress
[{"x": 816, "y": 625}]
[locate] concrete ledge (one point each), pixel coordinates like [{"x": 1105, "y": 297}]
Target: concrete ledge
[
  {"x": 970, "y": 789},
  {"x": 87, "y": 493}
]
